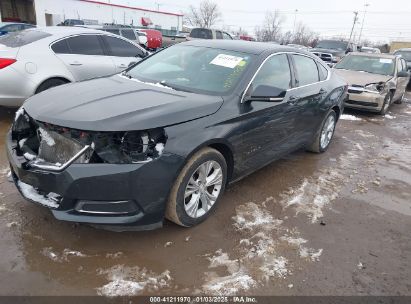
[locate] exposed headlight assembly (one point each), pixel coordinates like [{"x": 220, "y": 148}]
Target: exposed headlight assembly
[
  {"x": 375, "y": 87},
  {"x": 129, "y": 147}
]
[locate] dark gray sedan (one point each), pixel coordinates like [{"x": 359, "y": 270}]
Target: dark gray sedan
[{"x": 165, "y": 138}]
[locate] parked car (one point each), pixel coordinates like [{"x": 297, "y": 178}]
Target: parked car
[
  {"x": 130, "y": 33},
  {"x": 154, "y": 39},
  {"x": 331, "y": 51},
  {"x": 205, "y": 33},
  {"x": 165, "y": 137},
  {"x": 169, "y": 40},
  {"x": 71, "y": 22},
  {"x": 35, "y": 60},
  {"x": 375, "y": 80},
  {"x": 10, "y": 27},
  {"x": 370, "y": 50}
]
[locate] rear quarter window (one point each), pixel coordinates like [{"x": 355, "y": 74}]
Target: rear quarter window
[
  {"x": 129, "y": 34},
  {"x": 322, "y": 71},
  {"x": 19, "y": 39}
]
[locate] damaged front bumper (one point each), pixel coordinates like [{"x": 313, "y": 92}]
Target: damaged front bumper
[
  {"x": 364, "y": 100},
  {"x": 113, "y": 196}
]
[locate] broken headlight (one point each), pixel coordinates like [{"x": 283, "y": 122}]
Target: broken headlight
[
  {"x": 376, "y": 87},
  {"x": 129, "y": 147}
]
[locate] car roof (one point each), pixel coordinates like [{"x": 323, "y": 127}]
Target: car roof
[
  {"x": 242, "y": 46},
  {"x": 63, "y": 31},
  {"x": 378, "y": 55}
]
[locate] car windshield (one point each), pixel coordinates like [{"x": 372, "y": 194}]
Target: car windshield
[
  {"x": 369, "y": 64},
  {"x": 404, "y": 54},
  {"x": 334, "y": 45},
  {"x": 19, "y": 39},
  {"x": 194, "y": 69}
]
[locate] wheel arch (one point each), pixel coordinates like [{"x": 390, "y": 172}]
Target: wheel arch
[{"x": 65, "y": 79}]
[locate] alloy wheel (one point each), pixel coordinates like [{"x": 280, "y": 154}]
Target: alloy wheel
[
  {"x": 203, "y": 189},
  {"x": 327, "y": 132}
]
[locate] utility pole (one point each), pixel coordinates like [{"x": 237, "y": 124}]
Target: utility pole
[
  {"x": 363, "y": 20},
  {"x": 295, "y": 19},
  {"x": 353, "y": 25}
]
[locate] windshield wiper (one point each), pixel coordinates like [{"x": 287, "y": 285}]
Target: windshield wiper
[{"x": 127, "y": 75}]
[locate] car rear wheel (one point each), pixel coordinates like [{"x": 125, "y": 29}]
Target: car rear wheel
[
  {"x": 51, "y": 83},
  {"x": 198, "y": 188},
  {"x": 325, "y": 135},
  {"x": 386, "y": 104}
]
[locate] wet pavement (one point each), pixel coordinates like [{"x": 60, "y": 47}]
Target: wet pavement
[{"x": 331, "y": 224}]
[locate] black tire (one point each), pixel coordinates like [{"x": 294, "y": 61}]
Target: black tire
[
  {"x": 316, "y": 144},
  {"x": 176, "y": 203},
  {"x": 386, "y": 104},
  {"x": 51, "y": 83}
]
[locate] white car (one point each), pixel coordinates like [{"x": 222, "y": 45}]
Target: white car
[{"x": 35, "y": 60}]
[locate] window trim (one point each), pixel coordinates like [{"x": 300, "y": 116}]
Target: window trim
[
  {"x": 107, "y": 47},
  {"x": 76, "y": 35},
  {"x": 297, "y": 81},
  {"x": 287, "y": 53}
]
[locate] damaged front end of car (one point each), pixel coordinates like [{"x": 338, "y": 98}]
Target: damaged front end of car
[
  {"x": 109, "y": 179},
  {"x": 53, "y": 148}
]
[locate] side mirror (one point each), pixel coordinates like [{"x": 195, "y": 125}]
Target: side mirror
[
  {"x": 349, "y": 50},
  {"x": 403, "y": 74},
  {"x": 265, "y": 93}
]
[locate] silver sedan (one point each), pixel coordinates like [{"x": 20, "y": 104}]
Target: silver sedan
[{"x": 35, "y": 60}]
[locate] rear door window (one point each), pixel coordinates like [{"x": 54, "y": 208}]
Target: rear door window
[
  {"x": 85, "y": 45},
  {"x": 113, "y": 31},
  {"x": 19, "y": 39},
  {"x": 121, "y": 48},
  {"x": 201, "y": 33},
  {"x": 307, "y": 71},
  {"x": 129, "y": 34},
  {"x": 218, "y": 35}
]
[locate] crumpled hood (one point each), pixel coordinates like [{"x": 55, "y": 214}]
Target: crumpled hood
[
  {"x": 338, "y": 53},
  {"x": 117, "y": 103},
  {"x": 361, "y": 78}
]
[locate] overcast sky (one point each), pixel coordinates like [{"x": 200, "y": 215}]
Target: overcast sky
[{"x": 385, "y": 20}]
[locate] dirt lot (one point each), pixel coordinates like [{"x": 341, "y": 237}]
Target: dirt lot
[{"x": 331, "y": 224}]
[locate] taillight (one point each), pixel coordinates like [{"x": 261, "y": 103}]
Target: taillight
[{"x": 5, "y": 62}]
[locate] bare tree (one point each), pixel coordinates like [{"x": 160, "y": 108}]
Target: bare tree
[
  {"x": 206, "y": 15},
  {"x": 303, "y": 35},
  {"x": 271, "y": 28}
]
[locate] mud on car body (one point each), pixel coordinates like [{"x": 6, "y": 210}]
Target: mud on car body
[{"x": 164, "y": 138}]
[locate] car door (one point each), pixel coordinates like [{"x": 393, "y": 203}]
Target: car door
[
  {"x": 307, "y": 96},
  {"x": 122, "y": 52},
  {"x": 267, "y": 126},
  {"x": 402, "y": 82},
  {"x": 84, "y": 56}
]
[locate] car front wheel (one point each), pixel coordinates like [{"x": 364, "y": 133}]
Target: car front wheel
[{"x": 198, "y": 188}]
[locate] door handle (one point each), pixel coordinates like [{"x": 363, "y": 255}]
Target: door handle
[
  {"x": 122, "y": 66},
  {"x": 293, "y": 100},
  {"x": 76, "y": 63}
]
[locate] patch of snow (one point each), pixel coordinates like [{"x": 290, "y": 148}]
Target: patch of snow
[
  {"x": 5, "y": 171},
  {"x": 349, "y": 117},
  {"x": 12, "y": 224},
  {"x": 311, "y": 253},
  {"x": 290, "y": 286},
  {"x": 388, "y": 116},
  {"x": 46, "y": 137},
  {"x": 131, "y": 281},
  {"x": 168, "y": 244},
  {"x": 114, "y": 255},
  {"x": 63, "y": 257},
  {"x": 360, "y": 265},
  {"x": 32, "y": 194},
  {"x": 277, "y": 268},
  {"x": 359, "y": 147},
  {"x": 250, "y": 216},
  {"x": 313, "y": 195},
  {"x": 159, "y": 148}
]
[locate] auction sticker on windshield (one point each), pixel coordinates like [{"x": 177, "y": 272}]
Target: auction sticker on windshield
[
  {"x": 383, "y": 60},
  {"x": 227, "y": 61}
]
